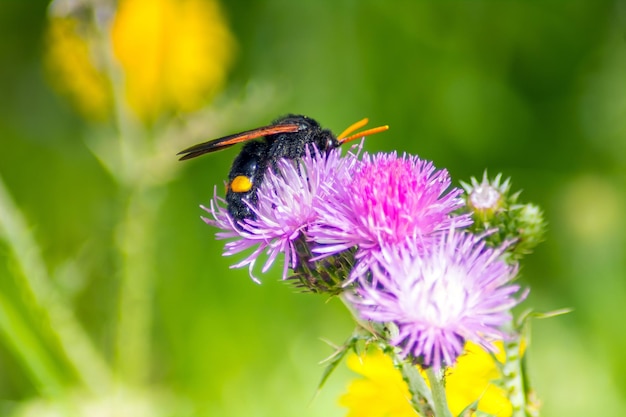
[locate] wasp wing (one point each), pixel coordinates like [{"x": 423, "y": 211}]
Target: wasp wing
[{"x": 230, "y": 140}]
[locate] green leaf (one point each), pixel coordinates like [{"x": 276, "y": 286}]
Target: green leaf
[{"x": 337, "y": 356}]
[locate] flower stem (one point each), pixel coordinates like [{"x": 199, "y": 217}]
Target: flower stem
[
  {"x": 134, "y": 233},
  {"x": 135, "y": 237},
  {"x": 422, "y": 399},
  {"x": 439, "y": 393},
  {"x": 47, "y": 303},
  {"x": 27, "y": 348},
  {"x": 515, "y": 380}
]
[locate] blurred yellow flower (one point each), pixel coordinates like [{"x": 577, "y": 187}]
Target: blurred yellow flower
[
  {"x": 383, "y": 393},
  {"x": 174, "y": 55},
  {"x": 73, "y": 69}
]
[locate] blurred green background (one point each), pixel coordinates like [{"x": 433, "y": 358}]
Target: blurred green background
[{"x": 535, "y": 90}]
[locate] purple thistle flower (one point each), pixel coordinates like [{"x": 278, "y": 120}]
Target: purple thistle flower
[
  {"x": 386, "y": 200},
  {"x": 440, "y": 296},
  {"x": 287, "y": 202}
]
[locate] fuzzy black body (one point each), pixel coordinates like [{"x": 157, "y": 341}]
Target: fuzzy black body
[{"x": 251, "y": 162}]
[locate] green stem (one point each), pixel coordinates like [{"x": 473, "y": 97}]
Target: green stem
[
  {"x": 135, "y": 230},
  {"x": 514, "y": 379},
  {"x": 439, "y": 393},
  {"x": 28, "y": 349},
  {"x": 48, "y": 303},
  {"x": 421, "y": 396},
  {"x": 135, "y": 237}
]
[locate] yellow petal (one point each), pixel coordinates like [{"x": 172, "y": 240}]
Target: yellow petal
[
  {"x": 72, "y": 68},
  {"x": 382, "y": 393},
  {"x": 175, "y": 54},
  {"x": 473, "y": 378}
]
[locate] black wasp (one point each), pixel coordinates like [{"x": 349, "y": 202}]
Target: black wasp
[{"x": 287, "y": 137}]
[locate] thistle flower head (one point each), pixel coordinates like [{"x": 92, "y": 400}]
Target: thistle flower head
[
  {"x": 287, "y": 202},
  {"x": 440, "y": 296},
  {"x": 385, "y": 201}
]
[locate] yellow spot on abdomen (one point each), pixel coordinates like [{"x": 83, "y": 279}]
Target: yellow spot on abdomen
[{"x": 241, "y": 184}]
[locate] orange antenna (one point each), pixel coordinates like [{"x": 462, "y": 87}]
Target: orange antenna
[
  {"x": 352, "y": 128},
  {"x": 364, "y": 133}
]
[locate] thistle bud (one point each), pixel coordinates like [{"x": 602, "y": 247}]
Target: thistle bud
[{"x": 497, "y": 212}]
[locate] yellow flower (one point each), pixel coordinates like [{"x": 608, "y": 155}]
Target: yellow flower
[
  {"x": 383, "y": 393},
  {"x": 174, "y": 56},
  {"x": 72, "y": 68},
  {"x": 472, "y": 378},
  {"x": 174, "y": 53}
]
